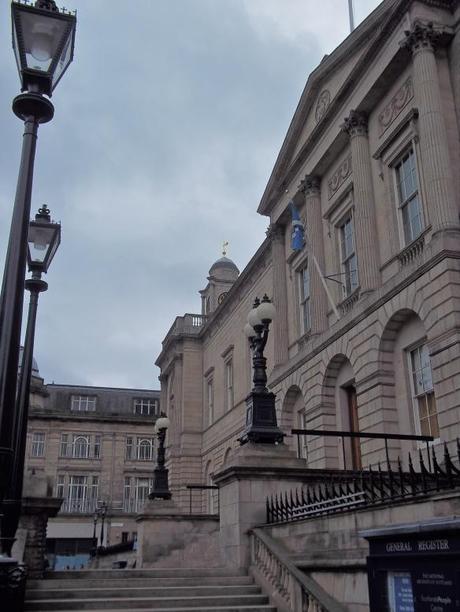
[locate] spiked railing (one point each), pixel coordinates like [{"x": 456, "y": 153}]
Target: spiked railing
[{"x": 365, "y": 488}]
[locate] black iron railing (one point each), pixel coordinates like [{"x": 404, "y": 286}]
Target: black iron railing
[
  {"x": 303, "y": 433},
  {"x": 199, "y": 487},
  {"x": 104, "y": 551},
  {"x": 341, "y": 491}
]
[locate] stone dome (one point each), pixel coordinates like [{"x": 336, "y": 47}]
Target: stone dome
[
  {"x": 35, "y": 371},
  {"x": 223, "y": 264}
]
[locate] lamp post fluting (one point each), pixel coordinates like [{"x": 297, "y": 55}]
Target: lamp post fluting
[
  {"x": 160, "y": 488},
  {"x": 43, "y": 240},
  {"x": 261, "y": 422}
]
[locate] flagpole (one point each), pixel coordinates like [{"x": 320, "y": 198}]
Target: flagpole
[
  {"x": 321, "y": 275},
  {"x": 351, "y": 14}
]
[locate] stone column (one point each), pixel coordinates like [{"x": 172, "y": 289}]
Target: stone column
[
  {"x": 434, "y": 151},
  {"x": 276, "y": 234},
  {"x": 31, "y": 534},
  {"x": 314, "y": 232},
  {"x": 365, "y": 225}
]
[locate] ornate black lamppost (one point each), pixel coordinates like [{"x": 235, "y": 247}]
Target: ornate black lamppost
[
  {"x": 43, "y": 43},
  {"x": 94, "y": 543},
  {"x": 102, "y": 513},
  {"x": 261, "y": 423},
  {"x": 160, "y": 474},
  {"x": 43, "y": 240}
]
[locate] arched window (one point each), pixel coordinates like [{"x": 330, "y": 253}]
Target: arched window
[
  {"x": 81, "y": 447},
  {"x": 144, "y": 449}
]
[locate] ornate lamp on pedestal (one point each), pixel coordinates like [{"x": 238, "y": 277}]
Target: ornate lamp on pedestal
[
  {"x": 160, "y": 475},
  {"x": 261, "y": 423}
]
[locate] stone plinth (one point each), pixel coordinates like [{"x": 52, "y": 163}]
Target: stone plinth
[
  {"x": 30, "y": 545},
  {"x": 167, "y": 537},
  {"x": 252, "y": 473}
]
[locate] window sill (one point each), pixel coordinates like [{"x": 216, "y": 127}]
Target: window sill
[
  {"x": 413, "y": 250},
  {"x": 348, "y": 303},
  {"x": 80, "y": 458}
]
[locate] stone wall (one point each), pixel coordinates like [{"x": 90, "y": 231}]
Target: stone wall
[
  {"x": 168, "y": 538},
  {"x": 331, "y": 550}
]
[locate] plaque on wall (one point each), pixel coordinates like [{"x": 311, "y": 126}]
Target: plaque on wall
[{"x": 400, "y": 594}]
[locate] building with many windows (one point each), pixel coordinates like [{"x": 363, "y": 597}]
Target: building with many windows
[
  {"x": 366, "y": 335},
  {"x": 94, "y": 448}
]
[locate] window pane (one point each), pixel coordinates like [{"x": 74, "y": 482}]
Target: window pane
[{"x": 424, "y": 399}]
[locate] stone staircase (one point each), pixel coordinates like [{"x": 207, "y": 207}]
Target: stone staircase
[{"x": 161, "y": 590}]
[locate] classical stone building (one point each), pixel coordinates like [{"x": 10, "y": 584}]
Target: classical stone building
[
  {"x": 92, "y": 447},
  {"x": 366, "y": 337}
]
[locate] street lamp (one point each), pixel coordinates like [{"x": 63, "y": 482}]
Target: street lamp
[
  {"x": 43, "y": 43},
  {"x": 261, "y": 423},
  {"x": 160, "y": 488},
  {"x": 43, "y": 240}
]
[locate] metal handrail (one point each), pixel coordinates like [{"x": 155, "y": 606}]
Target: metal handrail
[
  {"x": 359, "y": 434},
  {"x": 199, "y": 487}
]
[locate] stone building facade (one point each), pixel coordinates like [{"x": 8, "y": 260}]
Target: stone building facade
[
  {"x": 366, "y": 336},
  {"x": 92, "y": 447}
]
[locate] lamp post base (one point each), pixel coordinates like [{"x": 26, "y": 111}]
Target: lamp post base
[
  {"x": 12, "y": 584},
  {"x": 261, "y": 423},
  {"x": 160, "y": 488}
]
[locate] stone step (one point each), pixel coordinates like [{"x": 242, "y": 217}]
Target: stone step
[
  {"x": 263, "y": 608},
  {"x": 142, "y": 573},
  {"x": 165, "y": 603},
  {"x": 126, "y": 591},
  {"x": 88, "y": 583}
]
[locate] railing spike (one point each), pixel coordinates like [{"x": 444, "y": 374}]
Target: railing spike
[
  {"x": 401, "y": 478},
  {"x": 448, "y": 464},
  {"x": 412, "y": 476}
]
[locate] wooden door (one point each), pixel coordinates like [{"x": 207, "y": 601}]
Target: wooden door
[{"x": 354, "y": 426}]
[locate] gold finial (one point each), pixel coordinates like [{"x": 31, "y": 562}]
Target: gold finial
[{"x": 224, "y": 248}]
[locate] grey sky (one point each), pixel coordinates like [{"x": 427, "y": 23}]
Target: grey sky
[{"x": 167, "y": 126}]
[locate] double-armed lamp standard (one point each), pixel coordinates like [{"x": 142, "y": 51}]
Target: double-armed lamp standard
[
  {"x": 261, "y": 423},
  {"x": 43, "y": 43}
]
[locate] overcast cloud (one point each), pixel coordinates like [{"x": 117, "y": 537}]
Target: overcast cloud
[{"x": 167, "y": 126}]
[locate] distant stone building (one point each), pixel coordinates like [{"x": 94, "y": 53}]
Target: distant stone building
[{"x": 92, "y": 446}]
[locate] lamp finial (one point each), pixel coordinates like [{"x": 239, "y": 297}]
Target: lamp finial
[{"x": 47, "y": 5}]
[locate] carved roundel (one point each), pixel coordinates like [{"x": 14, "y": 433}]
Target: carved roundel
[
  {"x": 324, "y": 99},
  {"x": 222, "y": 297}
]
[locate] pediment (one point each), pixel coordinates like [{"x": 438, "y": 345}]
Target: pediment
[
  {"x": 325, "y": 84},
  {"x": 325, "y": 88}
]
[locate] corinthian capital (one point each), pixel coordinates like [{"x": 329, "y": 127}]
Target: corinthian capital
[
  {"x": 355, "y": 124},
  {"x": 310, "y": 185},
  {"x": 275, "y": 232},
  {"x": 421, "y": 37}
]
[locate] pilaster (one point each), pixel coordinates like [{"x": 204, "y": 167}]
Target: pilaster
[
  {"x": 421, "y": 41},
  {"x": 311, "y": 187},
  {"x": 355, "y": 125},
  {"x": 276, "y": 234}
]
